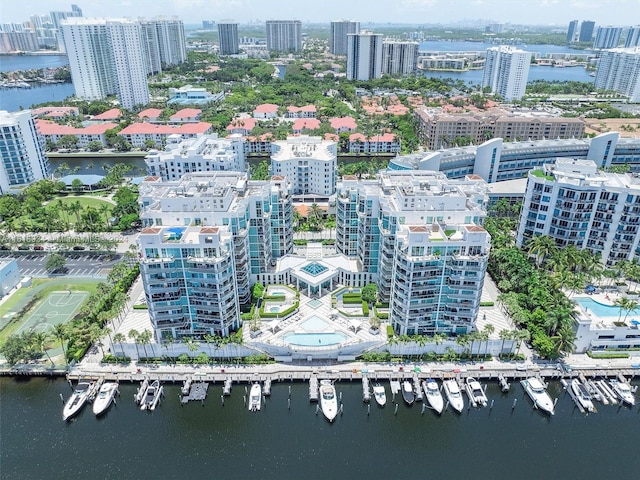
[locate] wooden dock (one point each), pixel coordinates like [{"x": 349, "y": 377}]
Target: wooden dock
[
  {"x": 416, "y": 388},
  {"x": 366, "y": 392},
  {"x": 226, "y": 390},
  {"x": 266, "y": 390},
  {"x": 313, "y": 388}
]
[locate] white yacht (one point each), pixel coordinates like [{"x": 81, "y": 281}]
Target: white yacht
[
  {"x": 151, "y": 396},
  {"x": 408, "y": 394},
  {"x": 328, "y": 400},
  {"x": 623, "y": 391},
  {"x": 255, "y": 397},
  {"x": 186, "y": 386},
  {"x": 379, "y": 394},
  {"x": 477, "y": 396},
  {"x": 582, "y": 395},
  {"x": 142, "y": 389},
  {"x": 105, "y": 397},
  {"x": 454, "y": 395},
  {"x": 433, "y": 395},
  {"x": 538, "y": 394},
  {"x": 77, "y": 400}
]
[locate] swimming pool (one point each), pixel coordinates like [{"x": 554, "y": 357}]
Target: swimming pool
[
  {"x": 314, "y": 339},
  {"x": 601, "y": 310}
]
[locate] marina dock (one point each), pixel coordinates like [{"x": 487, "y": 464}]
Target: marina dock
[
  {"x": 197, "y": 392},
  {"x": 313, "y": 388},
  {"x": 266, "y": 390},
  {"x": 416, "y": 387},
  {"x": 366, "y": 392},
  {"x": 226, "y": 390}
]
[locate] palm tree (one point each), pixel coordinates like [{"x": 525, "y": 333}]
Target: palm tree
[
  {"x": 504, "y": 334},
  {"x": 488, "y": 330},
  {"x": 40, "y": 340},
  {"x": 60, "y": 332},
  {"x": 120, "y": 338},
  {"x": 75, "y": 208},
  {"x": 438, "y": 338},
  {"x": 630, "y": 305},
  {"x": 522, "y": 336},
  {"x": 104, "y": 210},
  {"x": 541, "y": 247},
  {"x": 564, "y": 340},
  {"x": 135, "y": 335},
  {"x": 145, "y": 339},
  {"x": 463, "y": 341}
]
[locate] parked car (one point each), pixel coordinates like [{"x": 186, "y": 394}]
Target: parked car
[
  {"x": 38, "y": 247},
  {"x": 4, "y": 247},
  {"x": 78, "y": 247},
  {"x": 24, "y": 247}
]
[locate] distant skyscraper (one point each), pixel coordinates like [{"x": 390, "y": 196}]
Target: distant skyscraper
[
  {"x": 364, "y": 56},
  {"x": 506, "y": 71},
  {"x": 399, "y": 58},
  {"x": 572, "y": 30},
  {"x": 58, "y": 17},
  {"x": 22, "y": 159},
  {"x": 208, "y": 24},
  {"x": 338, "y": 37},
  {"x": 607, "y": 37},
  {"x": 586, "y": 31},
  {"x": 106, "y": 57},
  {"x": 633, "y": 37},
  {"x": 163, "y": 43},
  {"x": 619, "y": 70},
  {"x": 284, "y": 35},
  {"x": 228, "y": 38}
]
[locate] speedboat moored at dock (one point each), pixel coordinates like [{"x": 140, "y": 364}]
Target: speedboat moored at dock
[
  {"x": 477, "y": 396},
  {"x": 433, "y": 395},
  {"x": 538, "y": 394},
  {"x": 77, "y": 400},
  {"x": 151, "y": 396},
  {"x": 623, "y": 391},
  {"x": 407, "y": 392},
  {"x": 582, "y": 395},
  {"x": 105, "y": 397},
  {"x": 255, "y": 397},
  {"x": 379, "y": 394},
  {"x": 454, "y": 395},
  {"x": 328, "y": 400}
]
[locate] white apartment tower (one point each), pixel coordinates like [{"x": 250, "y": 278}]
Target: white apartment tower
[
  {"x": 106, "y": 57},
  {"x": 163, "y": 43},
  {"x": 364, "y": 56},
  {"x": 607, "y": 37},
  {"x": 206, "y": 239},
  {"x": 619, "y": 70},
  {"x": 22, "y": 158},
  {"x": 309, "y": 164},
  {"x": 338, "y": 37},
  {"x": 284, "y": 35},
  {"x": 633, "y": 37},
  {"x": 506, "y": 71},
  {"x": 228, "y": 38},
  {"x": 399, "y": 58},
  {"x": 421, "y": 236},
  {"x": 206, "y": 153},
  {"x": 575, "y": 203}
]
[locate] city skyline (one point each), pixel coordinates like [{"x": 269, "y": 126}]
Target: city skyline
[{"x": 546, "y": 12}]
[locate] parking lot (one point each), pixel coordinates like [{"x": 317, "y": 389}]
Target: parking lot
[{"x": 78, "y": 265}]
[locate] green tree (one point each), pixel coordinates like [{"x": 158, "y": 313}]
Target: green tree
[
  {"x": 55, "y": 263},
  {"x": 370, "y": 293},
  {"x": 60, "y": 331},
  {"x": 94, "y": 146}
]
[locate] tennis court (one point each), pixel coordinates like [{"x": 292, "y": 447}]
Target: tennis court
[{"x": 58, "y": 307}]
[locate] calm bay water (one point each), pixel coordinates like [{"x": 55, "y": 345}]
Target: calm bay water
[
  {"x": 229, "y": 442},
  {"x": 10, "y": 63},
  {"x": 11, "y": 99}
]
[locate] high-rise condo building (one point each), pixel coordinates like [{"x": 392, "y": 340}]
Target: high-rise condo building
[
  {"x": 572, "y": 31},
  {"x": 57, "y": 18},
  {"x": 619, "y": 70},
  {"x": 633, "y": 37},
  {"x": 364, "y": 56},
  {"x": 206, "y": 238},
  {"x": 309, "y": 164},
  {"x": 228, "y": 38},
  {"x": 206, "y": 153},
  {"x": 607, "y": 37},
  {"x": 163, "y": 43},
  {"x": 284, "y": 35},
  {"x": 399, "y": 58},
  {"x": 421, "y": 237},
  {"x": 575, "y": 203},
  {"x": 22, "y": 158},
  {"x": 506, "y": 71},
  {"x": 106, "y": 57},
  {"x": 338, "y": 36},
  {"x": 586, "y": 31}
]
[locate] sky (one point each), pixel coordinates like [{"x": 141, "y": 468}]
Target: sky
[{"x": 530, "y": 12}]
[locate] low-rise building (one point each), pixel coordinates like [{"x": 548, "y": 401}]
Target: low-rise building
[
  {"x": 9, "y": 276},
  {"x": 55, "y": 112},
  {"x": 343, "y": 124},
  {"x": 386, "y": 143},
  {"x": 308, "y": 111},
  {"x": 241, "y": 126},
  {"x": 206, "y": 153},
  {"x": 111, "y": 115},
  {"x": 95, "y": 132},
  {"x": 150, "y": 114},
  {"x": 186, "y": 115},
  {"x": 138, "y": 133},
  {"x": 190, "y": 95},
  {"x": 266, "y": 111},
  {"x": 302, "y": 124}
]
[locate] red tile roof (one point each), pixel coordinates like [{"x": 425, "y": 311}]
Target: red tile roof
[
  {"x": 387, "y": 137},
  {"x": 55, "y": 111},
  {"x": 112, "y": 114},
  {"x": 47, "y": 127},
  {"x": 266, "y": 108},
  {"x": 306, "y": 108},
  {"x": 331, "y": 136},
  {"x": 145, "y": 128},
  {"x": 308, "y": 123},
  {"x": 185, "y": 113},
  {"x": 150, "y": 113},
  {"x": 343, "y": 122},
  {"x": 247, "y": 124}
]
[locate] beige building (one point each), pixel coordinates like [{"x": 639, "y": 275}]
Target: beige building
[{"x": 440, "y": 130}]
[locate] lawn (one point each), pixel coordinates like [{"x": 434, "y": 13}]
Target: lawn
[
  {"x": 43, "y": 286},
  {"x": 85, "y": 202}
]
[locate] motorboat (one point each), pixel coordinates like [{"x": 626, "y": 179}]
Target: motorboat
[
  {"x": 142, "y": 389},
  {"x": 408, "y": 394},
  {"x": 379, "y": 394},
  {"x": 151, "y": 396},
  {"x": 454, "y": 395},
  {"x": 255, "y": 397},
  {"x": 328, "y": 400},
  {"x": 434, "y": 397},
  {"x": 186, "y": 386},
  {"x": 623, "y": 391},
  {"x": 77, "y": 400},
  {"x": 477, "y": 396},
  {"x": 104, "y": 398},
  {"x": 582, "y": 395},
  {"x": 538, "y": 394}
]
